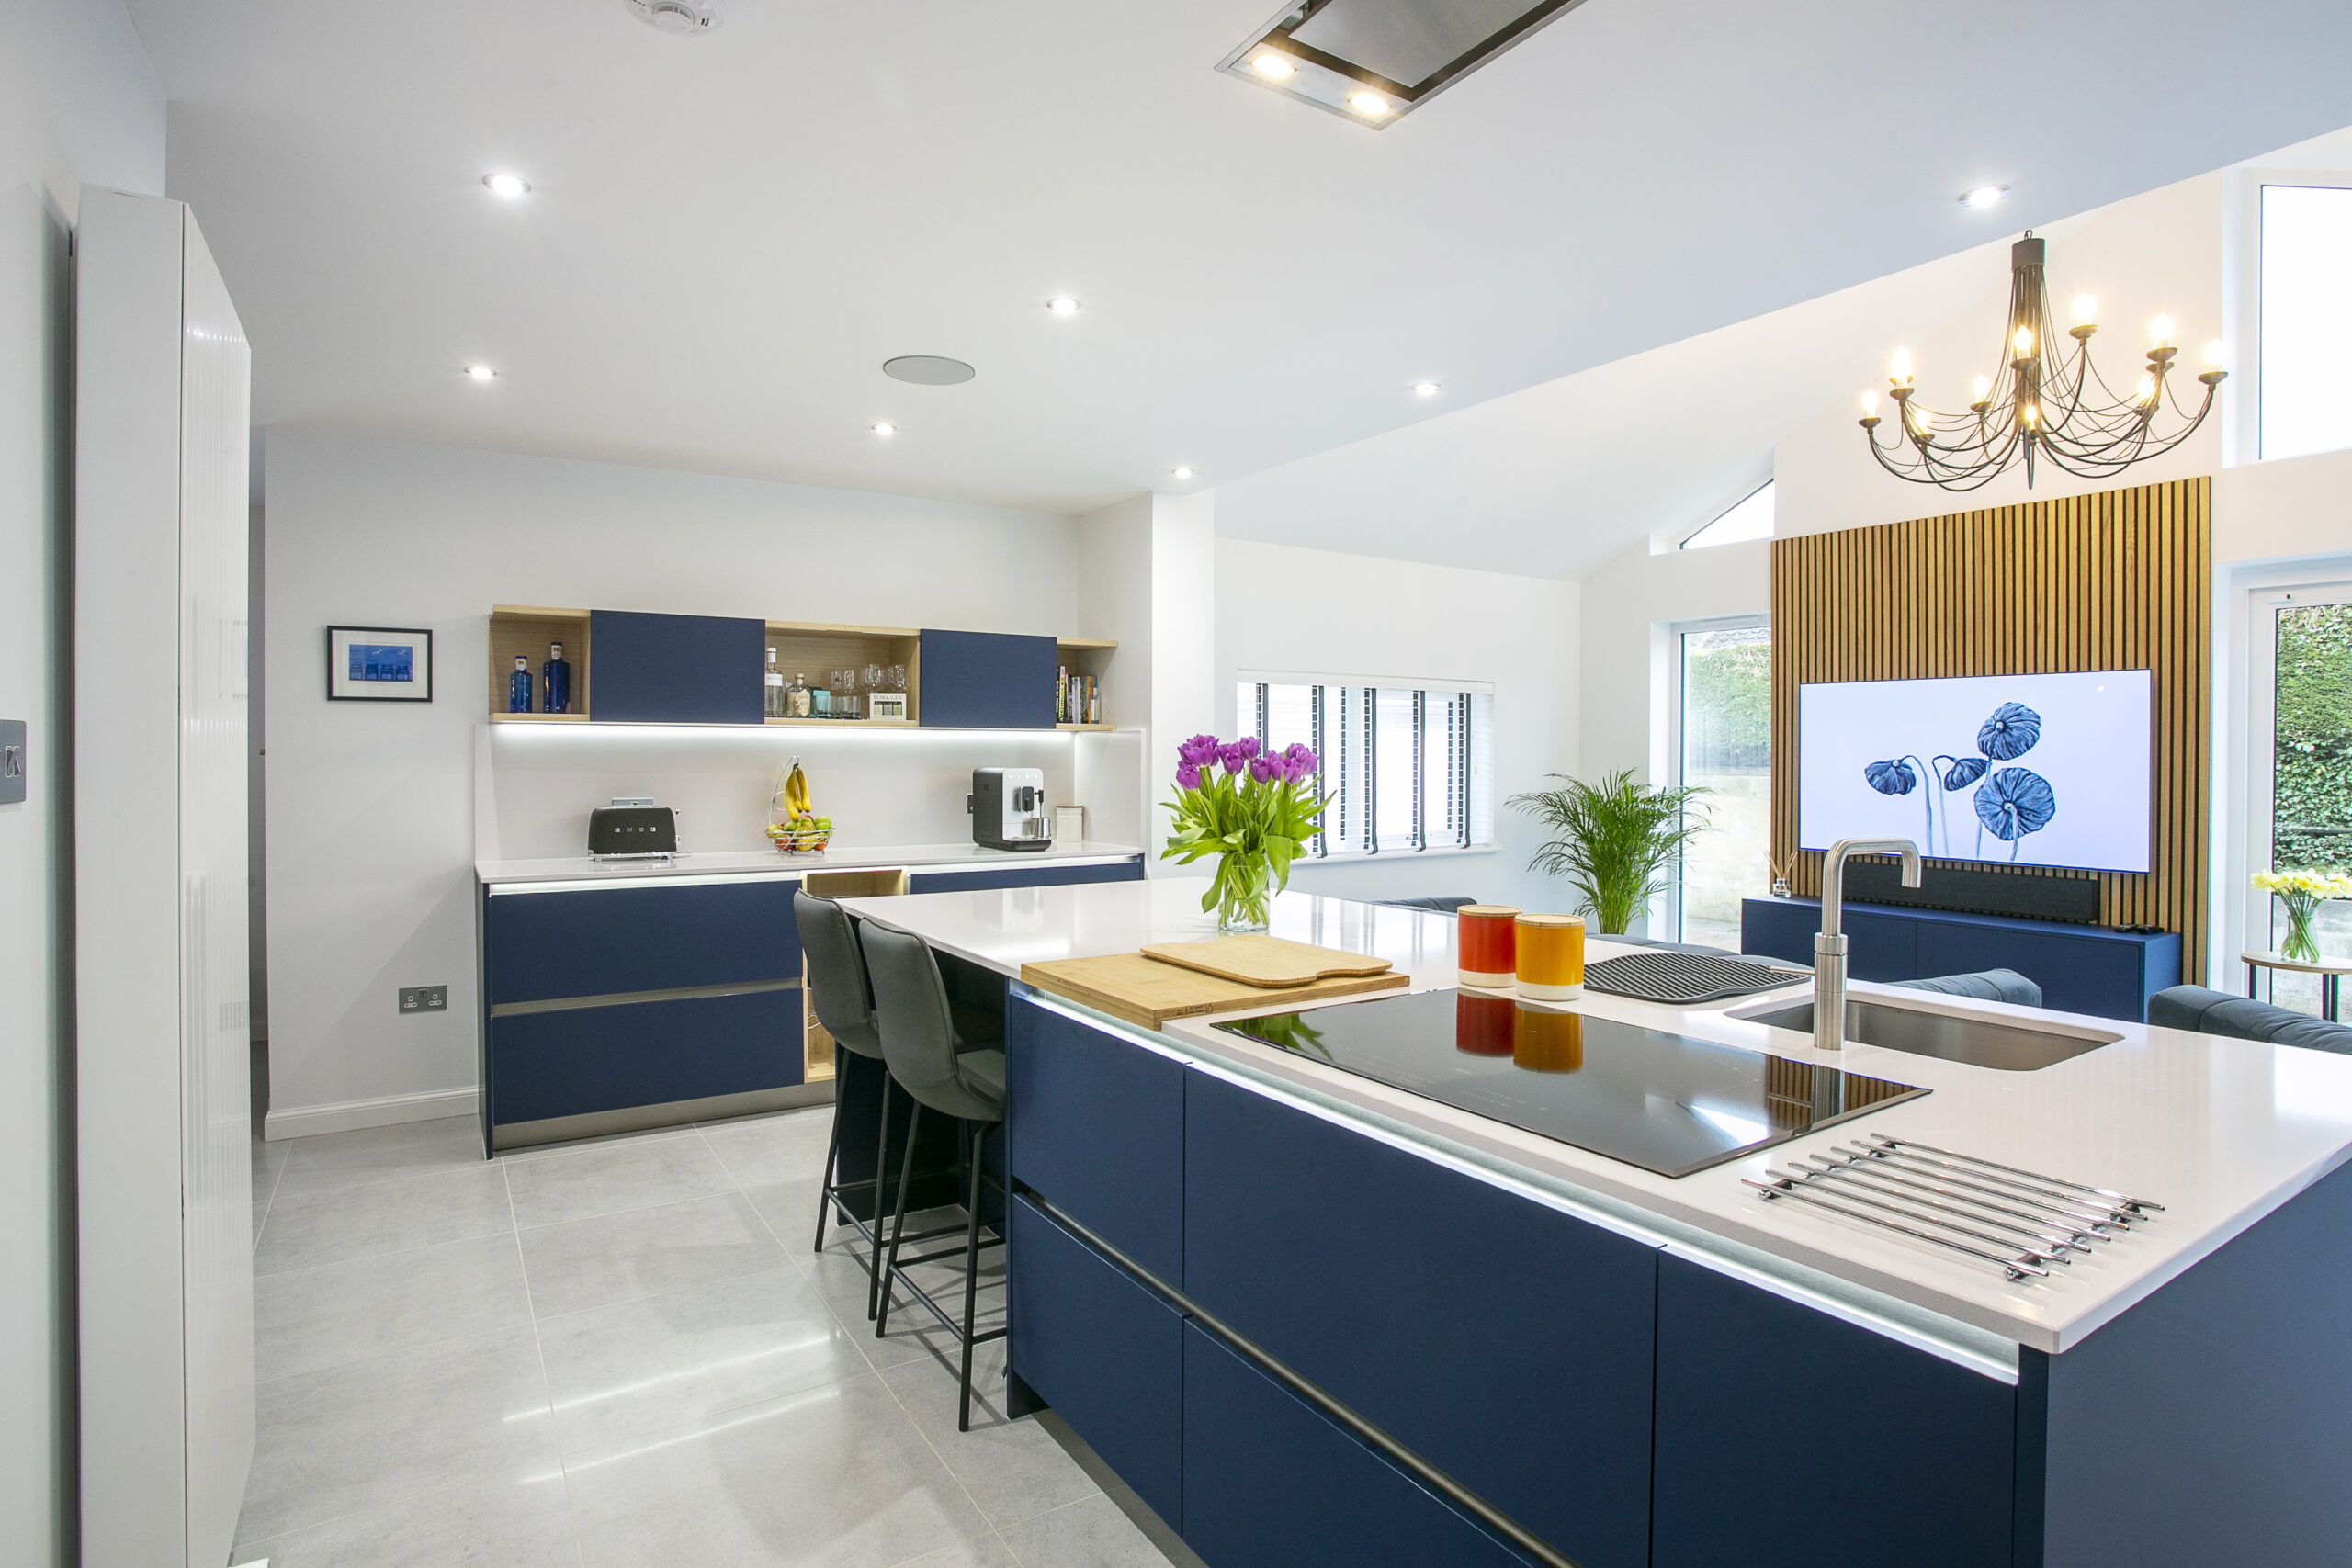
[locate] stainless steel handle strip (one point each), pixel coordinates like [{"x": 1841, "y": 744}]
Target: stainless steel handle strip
[
  {"x": 2127, "y": 1202},
  {"x": 2090, "y": 1222},
  {"x": 2039, "y": 1255},
  {"x": 2023, "y": 1180},
  {"x": 2017, "y": 1267},
  {"x": 2016, "y": 1221}
]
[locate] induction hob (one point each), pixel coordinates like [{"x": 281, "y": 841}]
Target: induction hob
[{"x": 1665, "y": 1102}]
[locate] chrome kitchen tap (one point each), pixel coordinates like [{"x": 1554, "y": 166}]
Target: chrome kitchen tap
[{"x": 1829, "y": 947}]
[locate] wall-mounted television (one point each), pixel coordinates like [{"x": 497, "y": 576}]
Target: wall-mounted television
[{"x": 2011, "y": 770}]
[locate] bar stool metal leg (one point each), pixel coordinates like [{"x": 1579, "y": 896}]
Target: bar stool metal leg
[
  {"x": 830, "y": 1184},
  {"x": 881, "y": 1166},
  {"x": 898, "y": 1224},
  {"x": 971, "y": 1275}
]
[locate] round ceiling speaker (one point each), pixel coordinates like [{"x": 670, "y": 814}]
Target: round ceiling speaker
[
  {"x": 927, "y": 370},
  {"x": 678, "y": 17}
]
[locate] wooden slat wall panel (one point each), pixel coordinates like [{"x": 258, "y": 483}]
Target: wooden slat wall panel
[{"x": 2117, "y": 580}]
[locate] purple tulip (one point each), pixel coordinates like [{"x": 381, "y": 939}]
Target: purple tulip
[
  {"x": 1237, "y": 754},
  {"x": 1298, "y": 762},
  {"x": 1188, "y": 776},
  {"x": 1200, "y": 750},
  {"x": 1265, "y": 770}
]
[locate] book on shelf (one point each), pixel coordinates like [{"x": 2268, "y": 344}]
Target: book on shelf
[{"x": 1078, "y": 699}]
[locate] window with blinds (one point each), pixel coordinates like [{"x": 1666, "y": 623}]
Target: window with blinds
[{"x": 1407, "y": 767}]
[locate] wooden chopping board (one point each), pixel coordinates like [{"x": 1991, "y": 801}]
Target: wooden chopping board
[
  {"x": 1146, "y": 991},
  {"x": 1265, "y": 959}
]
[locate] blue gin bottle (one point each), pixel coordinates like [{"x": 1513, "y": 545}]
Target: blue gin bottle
[
  {"x": 555, "y": 681},
  {"x": 518, "y": 686}
]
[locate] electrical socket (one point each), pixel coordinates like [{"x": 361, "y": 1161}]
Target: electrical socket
[{"x": 424, "y": 999}]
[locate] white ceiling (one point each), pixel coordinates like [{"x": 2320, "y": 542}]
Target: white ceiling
[{"x": 729, "y": 235}]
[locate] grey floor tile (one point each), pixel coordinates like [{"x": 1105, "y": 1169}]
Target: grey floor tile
[
  {"x": 585, "y": 1264},
  {"x": 268, "y": 1160},
  {"x": 983, "y": 1552},
  {"x": 841, "y": 1281},
  {"x": 1089, "y": 1534},
  {"x": 380, "y": 1153},
  {"x": 330, "y": 1443},
  {"x": 762, "y": 1151},
  {"x": 524, "y": 1523},
  {"x": 611, "y": 1178},
  {"x": 668, "y": 1361},
  {"x": 348, "y": 1312},
  {"x": 836, "y": 1476},
  {"x": 790, "y": 1210},
  {"x": 307, "y": 1229},
  {"x": 1013, "y": 1470}
]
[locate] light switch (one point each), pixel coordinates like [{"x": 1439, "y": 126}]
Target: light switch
[{"x": 13, "y": 766}]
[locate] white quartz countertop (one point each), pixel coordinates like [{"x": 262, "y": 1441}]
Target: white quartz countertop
[
  {"x": 777, "y": 863},
  {"x": 2221, "y": 1132}
]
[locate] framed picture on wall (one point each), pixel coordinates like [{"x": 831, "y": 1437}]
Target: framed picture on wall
[{"x": 379, "y": 664}]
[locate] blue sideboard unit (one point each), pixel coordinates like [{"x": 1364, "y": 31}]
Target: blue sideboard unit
[
  {"x": 607, "y": 1008},
  {"x": 677, "y": 669},
  {"x": 2087, "y": 969},
  {"x": 978, "y": 680}
]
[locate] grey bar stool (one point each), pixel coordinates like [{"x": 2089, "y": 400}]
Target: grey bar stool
[
  {"x": 843, "y": 1001},
  {"x": 922, "y": 1048}
]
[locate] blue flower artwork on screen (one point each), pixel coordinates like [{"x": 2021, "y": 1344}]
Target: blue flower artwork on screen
[
  {"x": 383, "y": 662},
  {"x": 2012, "y": 803}
]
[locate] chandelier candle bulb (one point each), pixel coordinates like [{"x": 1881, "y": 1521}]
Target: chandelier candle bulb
[
  {"x": 2161, "y": 332},
  {"x": 1486, "y": 940},
  {"x": 1902, "y": 373},
  {"x": 2213, "y": 354},
  {"x": 1550, "y": 956},
  {"x": 2085, "y": 312},
  {"x": 1984, "y": 393},
  {"x": 2021, "y": 345}
]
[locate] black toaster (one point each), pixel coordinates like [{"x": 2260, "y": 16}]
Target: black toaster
[{"x": 632, "y": 831}]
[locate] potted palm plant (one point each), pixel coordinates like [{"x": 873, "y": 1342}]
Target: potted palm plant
[{"x": 1613, "y": 840}]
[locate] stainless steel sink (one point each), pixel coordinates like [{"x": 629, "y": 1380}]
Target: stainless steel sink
[{"x": 1979, "y": 1042}]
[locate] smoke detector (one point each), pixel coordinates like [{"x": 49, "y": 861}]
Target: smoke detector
[{"x": 678, "y": 17}]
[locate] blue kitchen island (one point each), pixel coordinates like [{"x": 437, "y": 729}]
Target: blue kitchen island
[{"x": 1312, "y": 1318}]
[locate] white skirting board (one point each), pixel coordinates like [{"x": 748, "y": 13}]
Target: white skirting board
[{"x": 347, "y": 1115}]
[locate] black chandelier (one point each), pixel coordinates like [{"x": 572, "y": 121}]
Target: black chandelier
[{"x": 2050, "y": 402}]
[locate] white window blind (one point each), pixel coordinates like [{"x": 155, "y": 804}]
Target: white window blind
[{"x": 1410, "y": 767}]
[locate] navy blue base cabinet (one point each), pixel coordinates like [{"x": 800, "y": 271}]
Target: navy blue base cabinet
[
  {"x": 2087, "y": 969},
  {"x": 584, "y": 1061},
  {"x": 1104, "y": 1350},
  {"x": 1497, "y": 1337},
  {"x": 1271, "y": 1482}
]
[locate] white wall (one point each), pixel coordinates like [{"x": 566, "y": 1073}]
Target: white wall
[
  {"x": 78, "y": 104},
  {"x": 1282, "y": 608},
  {"x": 370, "y": 808}
]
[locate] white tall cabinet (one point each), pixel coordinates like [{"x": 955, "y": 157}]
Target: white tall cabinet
[{"x": 164, "y": 1158}]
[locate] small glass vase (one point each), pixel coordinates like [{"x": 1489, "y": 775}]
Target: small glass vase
[
  {"x": 2300, "y": 944},
  {"x": 1248, "y": 885}
]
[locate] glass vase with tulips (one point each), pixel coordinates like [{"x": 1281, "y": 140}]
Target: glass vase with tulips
[{"x": 1252, "y": 809}]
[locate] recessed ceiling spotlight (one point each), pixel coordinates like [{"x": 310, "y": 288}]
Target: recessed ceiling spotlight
[
  {"x": 1983, "y": 196},
  {"x": 1271, "y": 65},
  {"x": 480, "y": 372},
  {"x": 885, "y": 427},
  {"x": 1368, "y": 103},
  {"x": 680, "y": 18},
  {"x": 1425, "y": 388},
  {"x": 1183, "y": 473},
  {"x": 508, "y": 186},
  {"x": 1062, "y": 304}
]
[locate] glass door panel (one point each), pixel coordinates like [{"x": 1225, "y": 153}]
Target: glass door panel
[{"x": 1726, "y": 749}]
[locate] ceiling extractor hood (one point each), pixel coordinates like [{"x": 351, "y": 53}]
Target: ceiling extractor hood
[{"x": 1374, "y": 61}]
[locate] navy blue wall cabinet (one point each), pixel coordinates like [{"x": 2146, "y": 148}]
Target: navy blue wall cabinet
[
  {"x": 1046, "y": 874},
  {"x": 678, "y": 669},
  {"x": 975, "y": 681},
  {"x": 2087, "y": 969},
  {"x": 580, "y": 1061},
  {"x": 1096, "y": 1125},
  {"x": 1104, "y": 1351},
  {"x": 1507, "y": 1343},
  {"x": 1271, "y": 1482},
  {"x": 597, "y": 942},
  {"x": 1789, "y": 1438}
]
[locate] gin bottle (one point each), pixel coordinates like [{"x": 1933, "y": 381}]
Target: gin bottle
[
  {"x": 555, "y": 681},
  {"x": 773, "y": 702},
  {"x": 518, "y": 686}
]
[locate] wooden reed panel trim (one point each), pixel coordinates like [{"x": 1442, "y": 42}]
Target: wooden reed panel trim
[{"x": 2119, "y": 580}]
